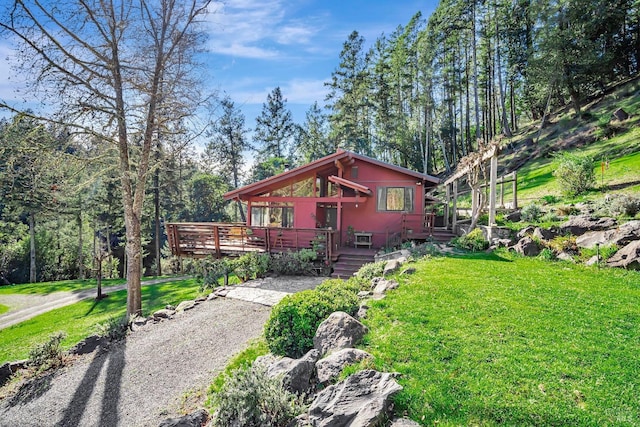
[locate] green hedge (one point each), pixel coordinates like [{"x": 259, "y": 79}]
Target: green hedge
[{"x": 294, "y": 320}]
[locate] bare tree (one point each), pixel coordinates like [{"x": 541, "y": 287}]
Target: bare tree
[{"x": 111, "y": 66}]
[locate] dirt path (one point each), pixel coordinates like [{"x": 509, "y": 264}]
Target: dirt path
[{"x": 25, "y": 306}]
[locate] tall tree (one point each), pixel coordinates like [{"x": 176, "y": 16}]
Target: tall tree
[
  {"x": 105, "y": 62},
  {"x": 274, "y": 127},
  {"x": 224, "y": 150},
  {"x": 314, "y": 141}
]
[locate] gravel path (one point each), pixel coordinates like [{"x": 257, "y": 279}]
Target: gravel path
[
  {"x": 144, "y": 379},
  {"x": 25, "y": 306}
]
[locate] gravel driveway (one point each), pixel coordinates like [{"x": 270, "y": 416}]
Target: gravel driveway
[{"x": 142, "y": 380}]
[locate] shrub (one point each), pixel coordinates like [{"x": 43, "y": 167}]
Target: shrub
[
  {"x": 567, "y": 210},
  {"x": 549, "y": 199},
  {"x": 250, "y": 398},
  {"x": 211, "y": 270},
  {"x": 294, "y": 263},
  {"x": 252, "y": 265},
  {"x": 531, "y": 213},
  {"x": 547, "y": 254},
  {"x": 564, "y": 244},
  {"x": 472, "y": 241},
  {"x": 575, "y": 173},
  {"x": 113, "y": 329},
  {"x": 370, "y": 270},
  {"x": 625, "y": 205},
  {"x": 48, "y": 354},
  {"x": 549, "y": 217},
  {"x": 294, "y": 320}
]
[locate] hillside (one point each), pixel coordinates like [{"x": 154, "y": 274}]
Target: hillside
[{"x": 597, "y": 134}]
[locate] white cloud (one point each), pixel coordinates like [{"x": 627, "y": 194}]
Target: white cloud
[{"x": 258, "y": 29}]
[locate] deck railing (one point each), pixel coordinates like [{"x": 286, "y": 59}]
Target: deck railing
[{"x": 200, "y": 239}]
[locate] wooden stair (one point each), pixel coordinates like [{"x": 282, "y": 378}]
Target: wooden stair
[{"x": 350, "y": 260}]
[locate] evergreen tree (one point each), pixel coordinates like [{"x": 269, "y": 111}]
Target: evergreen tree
[
  {"x": 313, "y": 139},
  {"x": 274, "y": 127}
]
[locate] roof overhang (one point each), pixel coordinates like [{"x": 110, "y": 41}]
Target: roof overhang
[
  {"x": 340, "y": 157},
  {"x": 350, "y": 184}
]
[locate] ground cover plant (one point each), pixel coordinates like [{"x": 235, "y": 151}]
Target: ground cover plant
[
  {"x": 79, "y": 320},
  {"x": 496, "y": 339}
]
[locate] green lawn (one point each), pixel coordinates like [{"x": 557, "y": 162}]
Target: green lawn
[
  {"x": 79, "y": 320},
  {"x": 3, "y": 308},
  {"x": 62, "y": 285},
  {"x": 501, "y": 340}
]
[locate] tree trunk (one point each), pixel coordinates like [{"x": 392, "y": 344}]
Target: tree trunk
[
  {"x": 475, "y": 69},
  {"x": 505, "y": 121},
  {"x": 156, "y": 204},
  {"x": 80, "y": 244},
  {"x": 32, "y": 248},
  {"x": 99, "y": 276}
]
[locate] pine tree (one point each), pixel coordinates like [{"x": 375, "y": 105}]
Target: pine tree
[{"x": 274, "y": 127}]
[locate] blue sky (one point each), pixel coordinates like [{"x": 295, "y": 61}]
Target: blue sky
[{"x": 257, "y": 45}]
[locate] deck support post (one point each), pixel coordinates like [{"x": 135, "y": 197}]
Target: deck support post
[
  {"x": 446, "y": 206},
  {"x": 454, "y": 220},
  {"x": 216, "y": 240},
  {"x": 515, "y": 190}
]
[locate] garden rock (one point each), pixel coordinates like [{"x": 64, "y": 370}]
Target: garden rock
[
  {"x": 330, "y": 367},
  {"x": 527, "y": 247},
  {"x": 362, "y": 312},
  {"x": 392, "y": 265},
  {"x": 363, "y": 294},
  {"x": 402, "y": 253},
  {"x": 185, "y": 305},
  {"x": 5, "y": 373},
  {"x": 296, "y": 373},
  {"x": 565, "y": 256},
  {"x": 514, "y": 216},
  {"x": 627, "y": 233},
  {"x": 164, "y": 314},
  {"x": 578, "y": 225},
  {"x": 627, "y": 257},
  {"x": 408, "y": 271},
  {"x": 381, "y": 285},
  {"x": 544, "y": 234},
  {"x": 404, "y": 422},
  {"x": 211, "y": 296},
  {"x": 88, "y": 345},
  {"x": 594, "y": 260},
  {"x": 527, "y": 231},
  {"x": 170, "y": 307},
  {"x": 592, "y": 238},
  {"x": 620, "y": 114},
  {"x": 195, "y": 419},
  {"x": 362, "y": 400},
  {"x": 221, "y": 292},
  {"x": 338, "y": 331}
]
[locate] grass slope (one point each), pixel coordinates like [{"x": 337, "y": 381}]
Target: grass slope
[
  {"x": 494, "y": 339},
  {"x": 62, "y": 285},
  {"x": 80, "y": 319}
]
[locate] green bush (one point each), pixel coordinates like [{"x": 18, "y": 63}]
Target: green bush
[
  {"x": 472, "y": 241},
  {"x": 294, "y": 263},
  {"x": 575, "y": 173},
  {"x": 370, "y": 270},
  {"x": 625, "y": 205},
  {"x": 249, "y": 398},
  {"x": 547, "y": 254},
  {"x": 211, "y": 270},
  {"x": 114, "y": 329},
  {"x": 48, "y": 354},
  {"x": 252, "y": 265},
  {"x": 531, "y": 213},
  {"x": 294, "y": 320}
]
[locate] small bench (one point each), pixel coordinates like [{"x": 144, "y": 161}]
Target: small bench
[{"x": 362, "y": 238}]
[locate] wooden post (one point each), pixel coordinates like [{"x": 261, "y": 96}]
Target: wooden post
[
  {"x": 502, "y": 192},
  {"x": 492, "y": 189},
  {"x": 515, "y": 190},
  {"x": 446, "y": 207},
  {"x": 216, "y": 240},
  {"x": 454, "y": 222}
]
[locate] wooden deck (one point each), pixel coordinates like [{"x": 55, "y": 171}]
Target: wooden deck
[{"x": 201, "y": 239}]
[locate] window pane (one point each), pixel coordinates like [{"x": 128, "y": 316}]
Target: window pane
[{"x": 395, "y": 199}]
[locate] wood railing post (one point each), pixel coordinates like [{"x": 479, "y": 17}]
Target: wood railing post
[{"x": 216, "y": 240}]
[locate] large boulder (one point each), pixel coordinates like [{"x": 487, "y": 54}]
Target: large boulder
[
  {"x": 381, "y": 286},
  {"x": 362, "y": 400},
  {"x": 527, "y": 247},
  {"x": 544, "y": 234},
  {"x": 296, "y": 373},
  {"x": 195, "y": 419},
  {"x": 330, "y": 367},
  {"x": 627, "y": 257},
  {"x": 626, "y": 233},
  {"x": 515, "y": 216},
  {"x": 527, "y": 231},
  {"x": 592, "y": 238},
  {"x": 338, "y": 331},
  {"x": 578, "y": 225}
]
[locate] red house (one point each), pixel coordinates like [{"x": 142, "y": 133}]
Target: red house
[{"x": 341, "y": 201}]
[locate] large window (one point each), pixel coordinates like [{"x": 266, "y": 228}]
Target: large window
[
  {"x": 395, "y": 199},
  {"x": 272, "y": 216}
]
